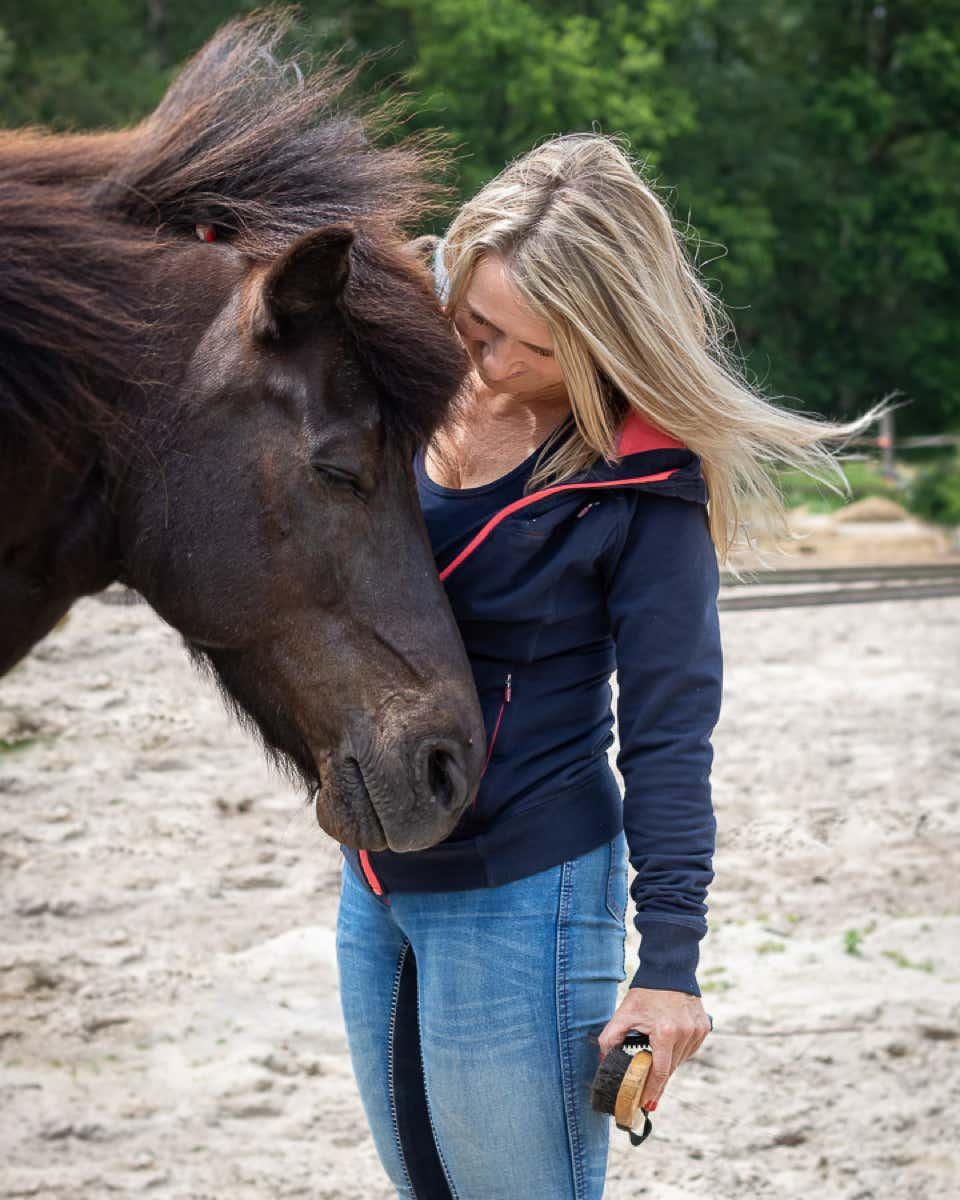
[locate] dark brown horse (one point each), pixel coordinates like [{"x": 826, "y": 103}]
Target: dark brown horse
[{"x": 227, "y": 426}]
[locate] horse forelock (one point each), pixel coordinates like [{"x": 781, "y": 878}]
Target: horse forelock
[
  {"x": 403, "y": 339},
  {"x": 265, "y": 147}
]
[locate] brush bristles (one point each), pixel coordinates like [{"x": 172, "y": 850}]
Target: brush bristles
[{"x": 607, "y": 1081}]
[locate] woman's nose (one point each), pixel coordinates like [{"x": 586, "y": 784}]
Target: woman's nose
[{"x": 498, "y": 362}]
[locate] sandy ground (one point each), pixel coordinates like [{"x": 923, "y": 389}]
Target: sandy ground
[{"x": 169, "y": 1015}]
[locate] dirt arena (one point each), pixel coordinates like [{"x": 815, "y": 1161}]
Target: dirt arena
[{"x": 169, "y": 1015}]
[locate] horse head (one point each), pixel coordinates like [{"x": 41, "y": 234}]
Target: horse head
[{"x": 275, "y": 524}]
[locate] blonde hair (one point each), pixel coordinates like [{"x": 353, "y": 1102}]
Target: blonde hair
[{"x": 593, "y": 251}]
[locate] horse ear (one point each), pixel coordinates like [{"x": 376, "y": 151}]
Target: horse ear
[{"x": 305, "y": 281}]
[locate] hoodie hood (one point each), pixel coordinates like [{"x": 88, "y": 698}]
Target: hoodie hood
[{"x": 650, "y": 459}]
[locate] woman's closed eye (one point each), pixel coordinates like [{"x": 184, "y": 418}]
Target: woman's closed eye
[{"x": 477, "y": 319}]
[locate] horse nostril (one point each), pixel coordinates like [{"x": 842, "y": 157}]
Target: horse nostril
[
  {"x": 446, "y": 779},
  {"x": 437, "y": 777}
]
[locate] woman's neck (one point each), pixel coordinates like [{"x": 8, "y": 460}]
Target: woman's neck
[
  {"x": 492, "y": 432},
  {"x": 526, "y": 414}
]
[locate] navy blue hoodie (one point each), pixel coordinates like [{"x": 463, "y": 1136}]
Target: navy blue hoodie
[{"x": 613, "y": 569}]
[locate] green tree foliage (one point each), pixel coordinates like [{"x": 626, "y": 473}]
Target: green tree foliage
[
  {"x": 825, "y": 159},
  {"x": 98, "y": 63},
  {"x": 812, "y": 144},
  {"x": 502, "y": 74}
]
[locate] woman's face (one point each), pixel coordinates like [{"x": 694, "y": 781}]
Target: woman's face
[{"x": 511, "y": 347}]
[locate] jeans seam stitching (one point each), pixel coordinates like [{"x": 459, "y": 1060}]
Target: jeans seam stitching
[
  {"x": 426, "y": 1094},
  {"x": 618, "y": 916},
  {"x": 563, "y": 1027},
  {"x": 391, "y": 1037},
  {"x": 611, "y": 880}
]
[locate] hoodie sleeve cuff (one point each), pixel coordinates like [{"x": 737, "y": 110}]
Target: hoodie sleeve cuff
[{"x": 668, "y": 957}]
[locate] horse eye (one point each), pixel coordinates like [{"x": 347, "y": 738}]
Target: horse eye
[{"x": 339, "y": 477}]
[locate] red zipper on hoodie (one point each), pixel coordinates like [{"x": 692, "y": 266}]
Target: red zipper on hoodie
[
  {"x": 507, "y": 694},
  {"x": 368, "y": 871},
  {"x": 636, "y": 436}
]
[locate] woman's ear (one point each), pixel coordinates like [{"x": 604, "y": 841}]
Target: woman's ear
[
  {"x": 423, "y": 247},
  {"x": 427, "y": 252}
]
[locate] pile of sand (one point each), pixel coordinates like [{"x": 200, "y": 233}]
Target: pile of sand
[
  {"x": 869, "y": 532},
  {"x": 873, "y": 509}
]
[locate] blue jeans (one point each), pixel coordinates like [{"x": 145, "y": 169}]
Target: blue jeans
[{"x": 468, "y": 1015}]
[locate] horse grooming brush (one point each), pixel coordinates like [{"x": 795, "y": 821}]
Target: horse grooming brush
[{"x": 618, "y": 1085}]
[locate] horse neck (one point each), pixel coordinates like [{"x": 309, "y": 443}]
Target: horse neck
[{"x": 56, "y": 538}]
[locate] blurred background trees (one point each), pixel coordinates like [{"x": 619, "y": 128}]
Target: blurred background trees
[{"x": 809, "y": 147}]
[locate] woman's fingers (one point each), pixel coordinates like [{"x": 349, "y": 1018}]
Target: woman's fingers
[
  {"x": 670, "y": 1047},
  {"x": 661, "y": 1069},
  {"x": 691, "y": 1044}
]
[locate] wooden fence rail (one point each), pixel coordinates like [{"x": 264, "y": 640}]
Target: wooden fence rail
[{"x": 814, "y": 586}]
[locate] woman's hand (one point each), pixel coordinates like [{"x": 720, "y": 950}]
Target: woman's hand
[{"x": 675, "y": 1023}]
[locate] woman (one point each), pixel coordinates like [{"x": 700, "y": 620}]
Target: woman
[{"x": 566, "y": 502}]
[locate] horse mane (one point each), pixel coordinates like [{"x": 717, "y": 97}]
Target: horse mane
[{"x": 256, "y": 144}]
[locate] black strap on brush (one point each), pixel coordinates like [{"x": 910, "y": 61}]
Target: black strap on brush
[{"x": 637, "y": 1139}]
